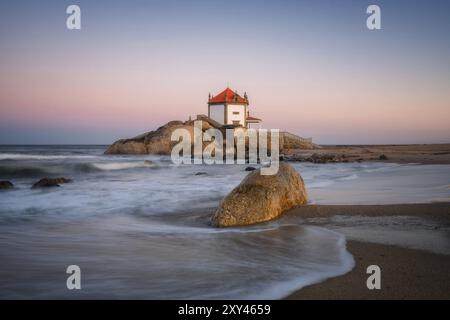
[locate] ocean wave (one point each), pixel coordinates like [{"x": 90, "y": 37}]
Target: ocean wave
[
  {"x": 319, "y": 184},
  {"x": 107, "y": 166},
  {"x": 263, "y": 263},
  {"x": 24, "y": 171},
  {"x": 68, "y": 169},
  {"x": 24, "y": 156},
  {"x": 349, "y": 177}
]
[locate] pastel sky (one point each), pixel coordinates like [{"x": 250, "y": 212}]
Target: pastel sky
[{"x": 309, "y": 67}]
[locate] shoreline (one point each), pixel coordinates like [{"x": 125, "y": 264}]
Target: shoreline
[
  {"x": 424, "y": 154},
  {"x": 400, "y": 154},
  {"x": 405, "y": 273}
]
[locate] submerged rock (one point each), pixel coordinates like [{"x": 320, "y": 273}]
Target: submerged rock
[
  {"x": 50, "y": 182},
  {"x": 200, "y": 173},
  {"x": 260, "y": 198},
  {"x": 6, "y": 185}
]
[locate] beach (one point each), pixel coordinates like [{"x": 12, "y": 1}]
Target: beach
[
  {"x": 224, "y": 151},
  {"x": 405, "y": 273},
  {"x": 139, "y": 228}
]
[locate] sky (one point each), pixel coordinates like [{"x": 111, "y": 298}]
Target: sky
[{"x": 308, "y": 67}]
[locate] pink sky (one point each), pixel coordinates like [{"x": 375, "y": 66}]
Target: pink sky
[{"x": 337, "y": 84}]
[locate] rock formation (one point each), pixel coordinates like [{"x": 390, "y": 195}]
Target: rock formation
[
  {"x": 6, "y": 185},
  {"x": 159, "y": 142},
  {"x": 154, "y": 142},
  {"x": 50, "y": 182},
  {"x": 260, "y": 198}
]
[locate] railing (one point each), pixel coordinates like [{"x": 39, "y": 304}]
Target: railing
[{"x": 295, "y": 137}]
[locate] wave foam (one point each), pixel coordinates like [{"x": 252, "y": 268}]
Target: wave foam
[{"x": 122, "y": 165}]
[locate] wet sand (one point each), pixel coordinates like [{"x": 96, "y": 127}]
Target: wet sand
[
  {"x": 439, "y": 211},
  {"x": 405, "y": 273}
]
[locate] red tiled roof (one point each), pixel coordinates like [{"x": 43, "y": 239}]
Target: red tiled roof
[
  {"x": 253, "y": 119},
  {"x": 227, "y": 96}
]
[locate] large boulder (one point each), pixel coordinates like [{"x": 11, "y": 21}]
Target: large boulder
[{"x": 260, "y": 198}]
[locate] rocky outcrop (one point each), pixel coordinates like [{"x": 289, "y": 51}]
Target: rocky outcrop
[
  {"x": 127, "y": 146},
  {"x": 289, "y": 141},
  {"x": 260, "y": 198},
  {"x": 154, "y": 142},
  {"x": 159, "y": 142},
  {"x": 6, "y": 185},
  {"x": 320, "y": 158},
  {"x": 325, "y": 158},
  {"x": 50, "y": 182}
]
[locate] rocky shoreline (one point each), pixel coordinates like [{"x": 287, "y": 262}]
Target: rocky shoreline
[{"x": 414, "y": 153}]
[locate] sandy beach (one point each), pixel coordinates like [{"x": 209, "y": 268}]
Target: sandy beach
[{"x": 405, "y": 273}]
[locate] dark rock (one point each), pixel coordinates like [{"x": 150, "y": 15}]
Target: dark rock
[
  {"x": 322, "y": 158},
  {"x": 6, "y": 185},
  {"x": 50, "y": 182},
  {"x": 383, "y": 157},
  {"x": 200, "y": 174},
  {"x": 250, "y": 168},
  {"x": 294, "y": 158}
]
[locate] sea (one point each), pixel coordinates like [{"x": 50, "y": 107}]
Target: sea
[{"x": 138, "y": 226}]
